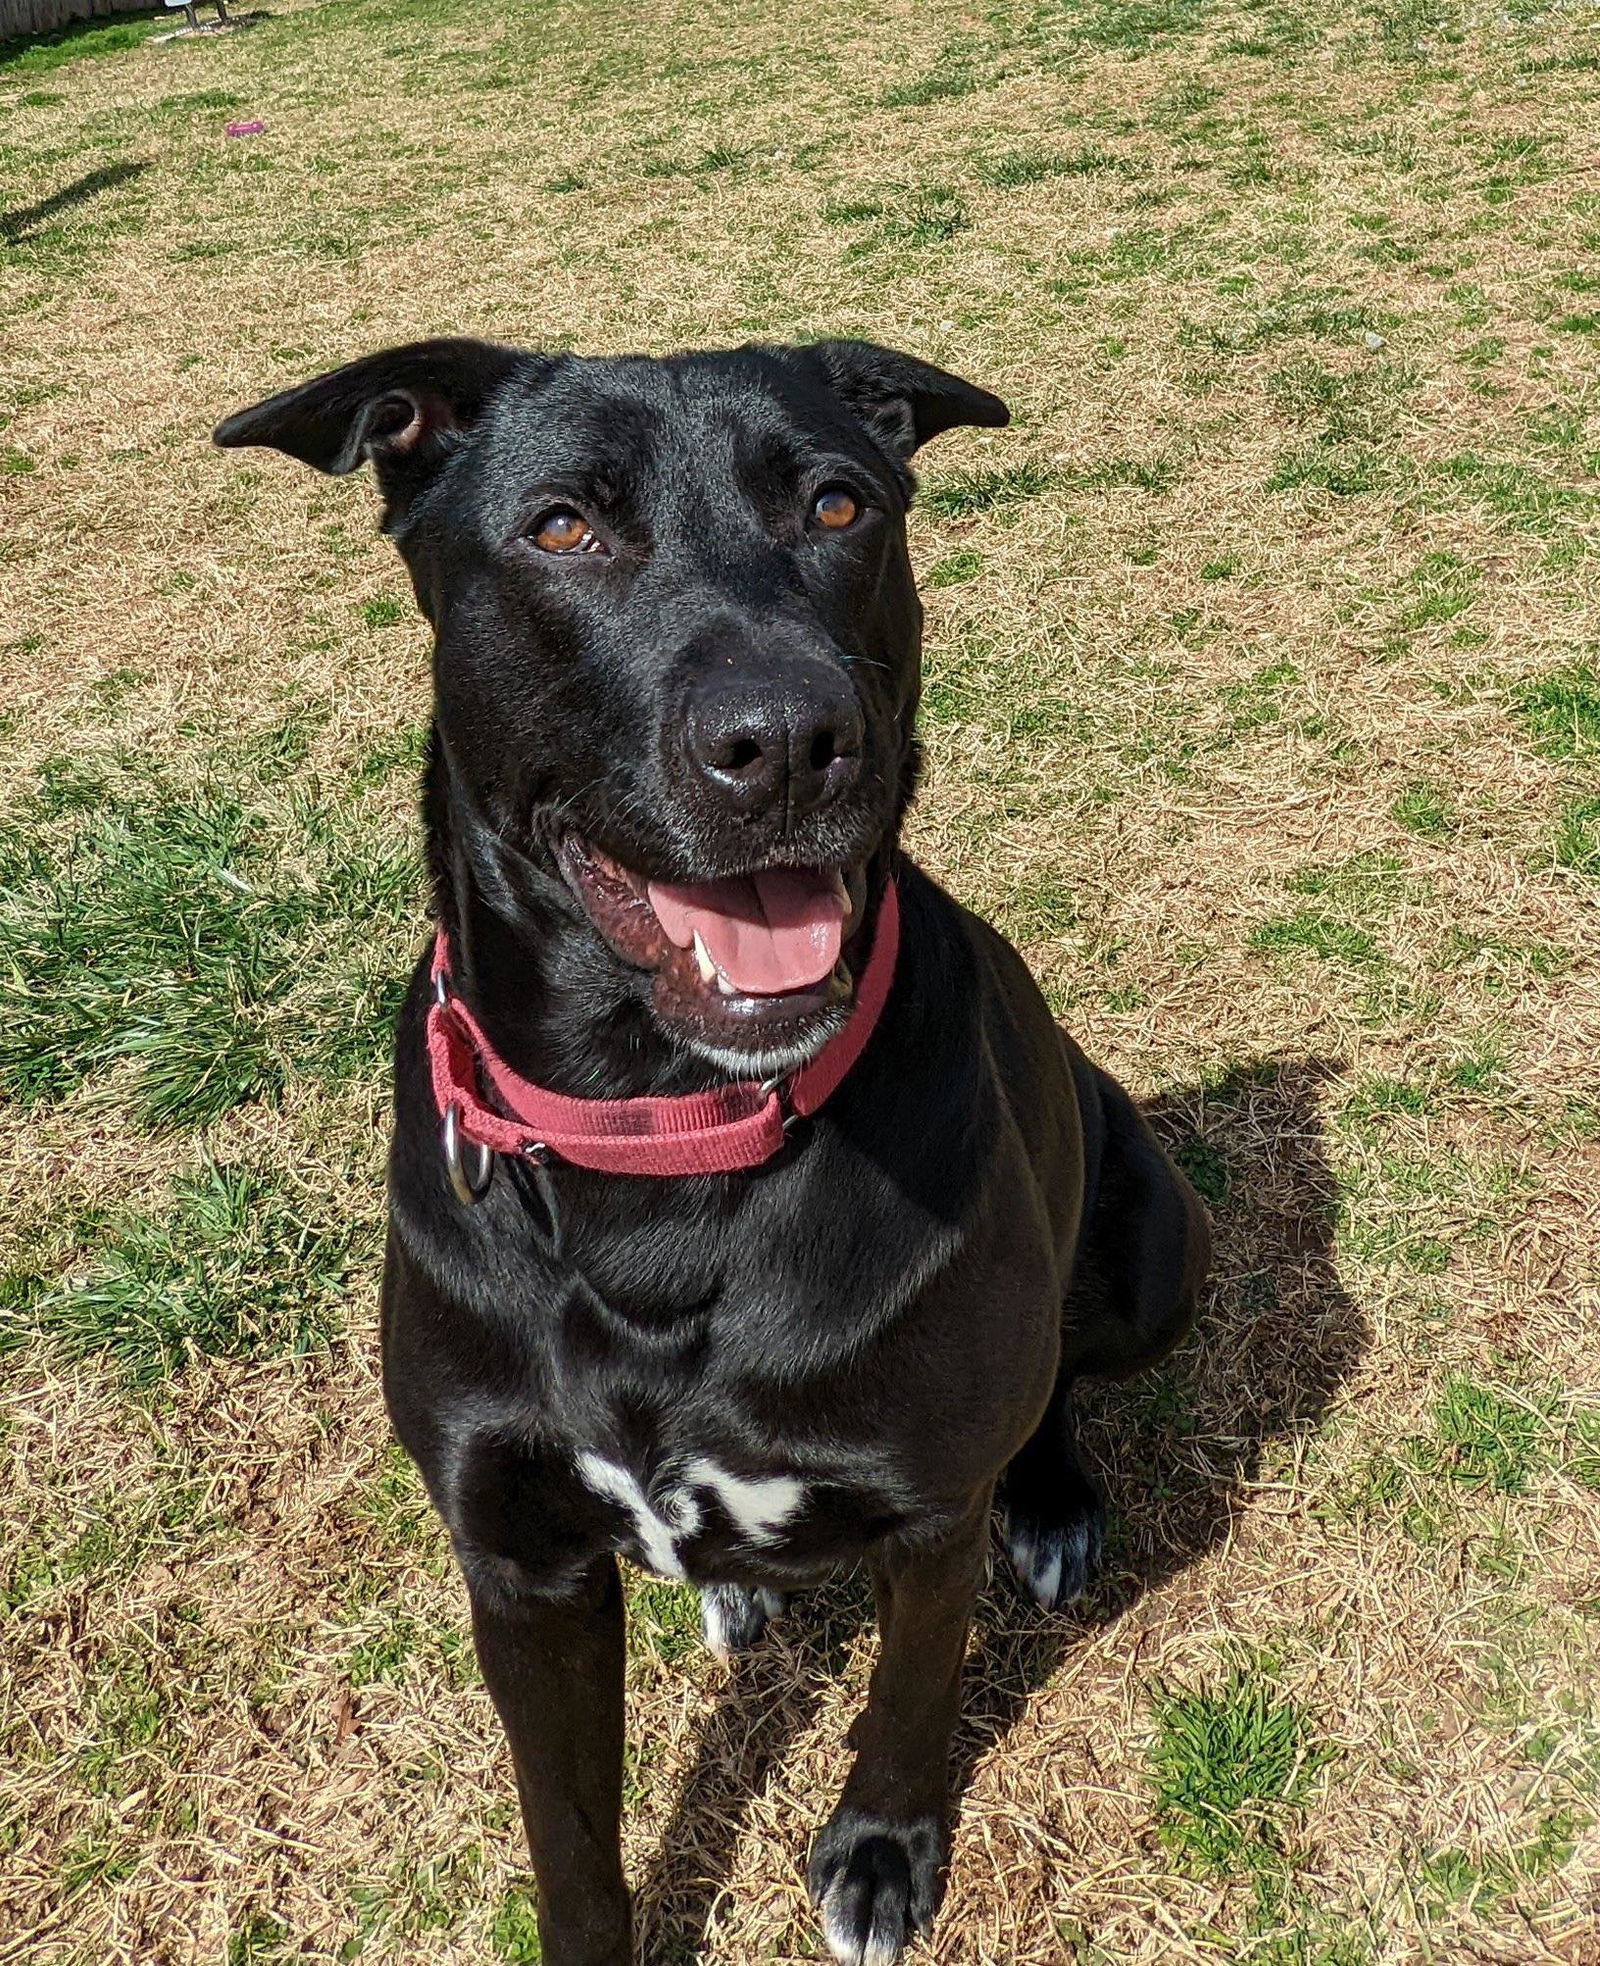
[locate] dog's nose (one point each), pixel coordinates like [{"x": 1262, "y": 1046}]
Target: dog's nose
[{"x": 769, "y": 745}]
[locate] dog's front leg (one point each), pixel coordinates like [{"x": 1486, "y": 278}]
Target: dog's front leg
[
  {"x": 877, "y": 1872},
  {"x": 554, "y": 1669}
]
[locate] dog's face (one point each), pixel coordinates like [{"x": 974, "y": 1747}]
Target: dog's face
[{"x": 678, "y": 639}]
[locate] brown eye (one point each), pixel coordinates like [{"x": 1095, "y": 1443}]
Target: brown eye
[
  {"x": 835, "y": 508},
  {"x": 563, "y": 531}
]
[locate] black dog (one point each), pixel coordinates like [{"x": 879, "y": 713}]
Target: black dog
[{"x": 677, "y": 672}]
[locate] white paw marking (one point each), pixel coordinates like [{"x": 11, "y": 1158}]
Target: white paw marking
[
  {"x": 714, "y": 1609},
  {"x": 758, "y": 1508},
  {"x": 716, "y": 1605},
  {"x": 1044, "y": 1577},
  {"x": 882, "y": 1948},
  {"x": 1042, "y": 1561}
]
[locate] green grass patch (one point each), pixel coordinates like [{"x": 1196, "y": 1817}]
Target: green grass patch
[
  {"x": 1350, "y": 406},
  {"x": 964, "y": 493},
  {"x": 1478, "y": 1070},
  {"x": 1151, "y": 474},
  {"x": 1042, "y": 904},
  {"x": 1506, "y": 966},
  {"x": 1274, "y": 33},
  {"x": 1206, "y": 1166},
  {"x": 851, "y": 211},
  {"x": 1583, "y": 1446},
  {"x": 1295, "y": 314},
  {"x": 108, "y": 1540},
  {"x": 405, "y": 749},
  {"x": 97, "y": 1857},
  {"x": 241, "y": 1266},
  {"x": 664, "y": 1621},
  {"x": 260, "y": 1938},
  {"x": 1452, "y": 1879},
  {"x": 1131, "y": 27},
  {"x": 1426, "y": 810},
  {"x": 1345, "y": 470},
  {"x": 202, "y": 102},
  {"x": 720, "y": 157},
  {"x": 1259, "y": 700},
  {"x": 1233, "y": 1769},
  {"x": 930, "y": 217},
  {"x": 1411, "y": 1209},
  {"x": 946, "y": 82},
  {"x": 1317, "y": 933},
  {"x": 1561, "y": 711},
  {"x": 514, "y": 1933},
  {"x": 1577, "y": 843},
  {"x": 1516, "y": 494},
  {"x": 1373, "y": 882},
  {"x": 132, "y": 1711},
  {"x": 966, "y": 563},
  {"x": 1013, "y": 169},
  {"x": 392, "y": 1640},
  {"x": 1442, "y": 587},
  {"x": 219, "y": 939},
  {"x": 397, "y": 1506},
  {"x": 1381, "y": 1097},
  {"x": 1484, "y": 1437}
]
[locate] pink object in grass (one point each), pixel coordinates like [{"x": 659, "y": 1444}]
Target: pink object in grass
[{"x": 245, "y": 130}]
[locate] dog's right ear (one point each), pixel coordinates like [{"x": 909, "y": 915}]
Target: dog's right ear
[
  {"x": 403, "y": 408},
  {"x": 904, "y": 401}
]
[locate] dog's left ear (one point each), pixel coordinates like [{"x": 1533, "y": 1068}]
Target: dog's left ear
[
  {"x": 903, "y": 401},
  {"x": 402, "y": 409}
]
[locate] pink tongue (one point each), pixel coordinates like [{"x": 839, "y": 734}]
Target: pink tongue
[{"x": 770, "y": 934}]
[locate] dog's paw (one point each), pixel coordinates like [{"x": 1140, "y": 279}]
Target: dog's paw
[
  {"x": 1056, "y": 1554},
  {"x": 876, "y": 1884},
  {"x": 733, "y": 1618}
]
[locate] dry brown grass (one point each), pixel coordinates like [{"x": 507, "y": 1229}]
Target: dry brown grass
[{"x": 1184, "y": 737}]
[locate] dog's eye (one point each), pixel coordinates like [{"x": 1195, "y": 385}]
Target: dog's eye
[
  {"x": 562, "y": 530},
  {"x": 835, "y": 508}
]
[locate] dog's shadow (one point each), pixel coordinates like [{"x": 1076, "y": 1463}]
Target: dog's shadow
[{"x": 1175, "y": 1451}]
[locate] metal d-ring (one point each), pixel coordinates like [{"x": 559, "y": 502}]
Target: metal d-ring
[
  {"x": 468, "y": 1189},
  {"x": 779, "y": 1084}
]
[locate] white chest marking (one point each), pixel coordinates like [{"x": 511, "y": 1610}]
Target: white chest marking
[{"x": 757, "y": 1509}]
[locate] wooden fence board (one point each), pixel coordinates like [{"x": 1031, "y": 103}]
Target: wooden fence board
[{"x": 42, "y": 16}]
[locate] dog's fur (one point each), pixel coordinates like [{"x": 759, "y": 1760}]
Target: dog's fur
[{"x": 744, "y": 1380}]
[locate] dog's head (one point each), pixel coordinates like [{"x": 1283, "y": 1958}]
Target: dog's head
[{"x": 678, "y": 639}]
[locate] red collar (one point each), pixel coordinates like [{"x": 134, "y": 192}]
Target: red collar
[{"x": 736, "y": 1126}]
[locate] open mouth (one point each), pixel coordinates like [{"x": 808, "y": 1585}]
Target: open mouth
[{"x": 734, "y": 960}]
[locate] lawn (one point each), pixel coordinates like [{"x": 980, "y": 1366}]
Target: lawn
[{"x": 1263, "y": 711}]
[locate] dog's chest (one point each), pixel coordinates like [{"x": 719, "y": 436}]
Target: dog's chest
[
  {"x": 688, "y": 1503},
  {"x": 703, "y": 1503}
]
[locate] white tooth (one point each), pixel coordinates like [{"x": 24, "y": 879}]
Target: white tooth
[
  {"x": 724, "y": 986},
  {"x": 702, "y": 956}
]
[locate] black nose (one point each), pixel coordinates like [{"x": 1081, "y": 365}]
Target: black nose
[{"x": 778, "y": 743}]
